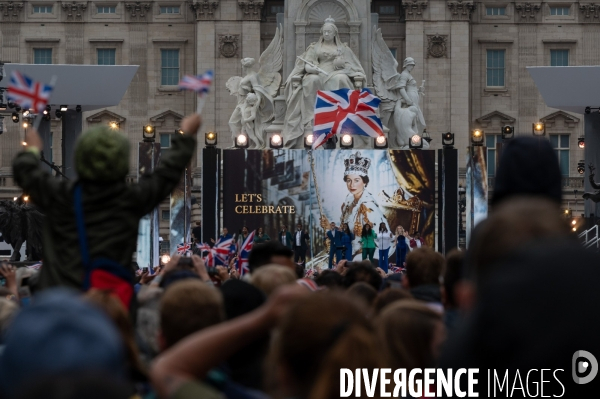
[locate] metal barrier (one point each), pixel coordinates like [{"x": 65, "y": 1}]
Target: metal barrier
[{"x": 589, "y": 238}]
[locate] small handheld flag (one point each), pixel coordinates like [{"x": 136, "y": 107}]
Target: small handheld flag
[
  {"x": 200, "y": 84},
  {"x": 242, "y": 262}
]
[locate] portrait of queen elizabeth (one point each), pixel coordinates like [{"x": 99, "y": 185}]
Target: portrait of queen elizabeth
[{"x": 360, "y": 206}]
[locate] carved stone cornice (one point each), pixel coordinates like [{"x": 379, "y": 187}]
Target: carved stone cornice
[
  {"x": 528, "y": 11},
  {"x": 204, "y": 9},
  {"x": 10, "y": 10},
  {"x": 138, "y": 10},
  {"x": 462, "y": 9},
  {"x": 591, "y": 12},
  {"x": 251, "y": 8},
  {"x": 413, "y": 9},
  {"x": 74, "y": 11}
]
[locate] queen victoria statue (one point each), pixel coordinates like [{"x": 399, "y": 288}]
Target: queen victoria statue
[{"x": 327, "y": 64}]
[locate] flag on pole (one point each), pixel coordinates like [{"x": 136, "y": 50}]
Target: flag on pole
[
  {"x": 27, "y": 93},
  {"x": 345, "y": 111},
  {"x": 244, "y": 254},
  {"x": 200, "y": 84}
]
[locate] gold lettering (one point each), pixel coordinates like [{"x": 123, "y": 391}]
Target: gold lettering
[
  {"x": 259, "y": 197},
  {"x": 264, "y": 209},
  {"x": 236, "y": 208},
  {"x": 271, "y": 209},
  {"x": 278, "y": 210},
  {"x": 236, "y": 198},
  {"x": 292, "y": 209}
]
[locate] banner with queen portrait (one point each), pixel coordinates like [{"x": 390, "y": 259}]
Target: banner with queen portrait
[{"x": 395, "y": 188}]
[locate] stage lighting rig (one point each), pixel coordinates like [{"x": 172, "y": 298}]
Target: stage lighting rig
[
  {"x": 276, "y": 141},
  {"x": 25, "y": 113},
  {"x": 448, "y": 140},
  {"x": 113, "y": 125},
  {"x": 588, "y": 110},
  {"x": 508, "y": 132},
  {"x": 210, "y": 139},
  {"x": 477, "y": 137},
  {"x": 64, "y": 108},
  {"x": 58, "y": 113},
  {"x": 149, "y": 133},
  {"x": 581, "y": 142},
  {"x": 78, "y": 108},
  {"x": 15, "y": 117},
  {"x": 415, "y": 142},
  {"x": 426, "y": 136},
  {"x": 347, "y": 142},
  {"x": 380, "y": 142},
  {"x": 581, "y": 167},
  {"x": 538, "y": 129},
  {"x": 308, "y": 141},
  {"x": 241, "y": 141}
]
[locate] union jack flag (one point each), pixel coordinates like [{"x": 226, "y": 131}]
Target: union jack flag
[
  {"x": 184, "y": 249},
  {"x": 218, "y": 254},
  {"x": 395, "y": 269},
  {"x": 345, "y": 111},
  {"x": 200, "y": 84},
  {"x": 27, "y": 93},
  {"x": 242, "y": 262}
]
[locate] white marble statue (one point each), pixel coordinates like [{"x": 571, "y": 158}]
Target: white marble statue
[
  {"x": 399, "y": 94},
  {"x": 255, "y": 93},
  {"x": 327, "y": 64}
]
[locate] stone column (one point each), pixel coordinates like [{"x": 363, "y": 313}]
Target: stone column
[
  {"x": 73, "y": 17},
  {"x": 414, "y": 11}
]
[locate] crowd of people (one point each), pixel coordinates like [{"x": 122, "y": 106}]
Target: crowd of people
[{"x": 522, "y": 297}]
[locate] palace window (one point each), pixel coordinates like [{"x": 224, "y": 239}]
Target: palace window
[
  {"x": 560, "y": 143},
  {"x": 169, "y": 10},
  {"x": 495, "y": 10},
  {"x": 169, "y": 67},
  {"x": 495, "y": 68},
  {"x": 559, "y": 57},
  {"x": 106, "y": 56},
  {"x": 165, "y": 140},
  {"x": 107, "y": 9},
  {"x": 42, "y": 9},
  {"x": 491, "y": 142},
  {"x": 42, "y": 56},
  {"x": 165, "y": 214},
  {"x": 559, "y": 10}
]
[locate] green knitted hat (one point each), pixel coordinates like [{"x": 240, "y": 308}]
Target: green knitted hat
[{"x": 102, "y": 154}]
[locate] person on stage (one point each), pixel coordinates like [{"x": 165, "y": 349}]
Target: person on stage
[
  {"x": 417, "y": 241},
  {"x": 300, "y": 244},
  {"x": 335, "y": 243},
  {"x": 347, "y": 238},
  {"x": 285, "y": 237},
  {"x": 384, "y": 242},
  {"x": 260, "y": 236},
  {"x": 402, "y": 246},
  {"x": 367, "y": 241},
  {"x": 242, "y": 237}
]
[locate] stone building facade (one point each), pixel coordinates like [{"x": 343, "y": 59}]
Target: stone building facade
[{"x": 472, "y": 54}]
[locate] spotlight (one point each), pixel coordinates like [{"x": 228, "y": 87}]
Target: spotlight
[
  {"x": 78, "y": 108},
  {"x": 415, "y": 141},
  {"x": 210, "y": 139},
  {"x": 380, "y": 142},
  {"x": 15, "y": 117},
  {"x": 538, "y": 129},
  {"x": 308, "y": 141},
  {"x": 24, "y": 143},
  {"x": 568, "y": 213},
  {"x": 26, "y": 198},
  {"x": 179, "y": 131},
  {"x": 165, "y": 259},
  {"x": 347, "y": 141},
  {"x": 581, "y": 142},
  {"x": 114, "y": 125},
  {"x": 508, "y": 132},
  {"x": 25, "y": 112},
  {"x": 588, "y": 110},
  {"x": 58, "y": 113},
  {"x": 574, "y": 228},
  {"x": 11, "y": 105},
  {"x": 581, "y": 167},
  {"x": 573, "y": 222},
  {"x": 477, "y": 137},
  {"x": 276, "y": 141},
  {"x": 64, "y": 108},
  {"x": 448, "y": 140},
  {"x": 241, "y": 141},
  {"x": 25, "y": 126},
  {"x": 149, "y": 133}
]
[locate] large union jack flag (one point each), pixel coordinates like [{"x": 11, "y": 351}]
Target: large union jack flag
[
  {"x": 345, "y": 111},
  {"x": 242, "y": 262},
  {"x": 200, "y": 84},
  {"x": 27, "y": 93}
]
